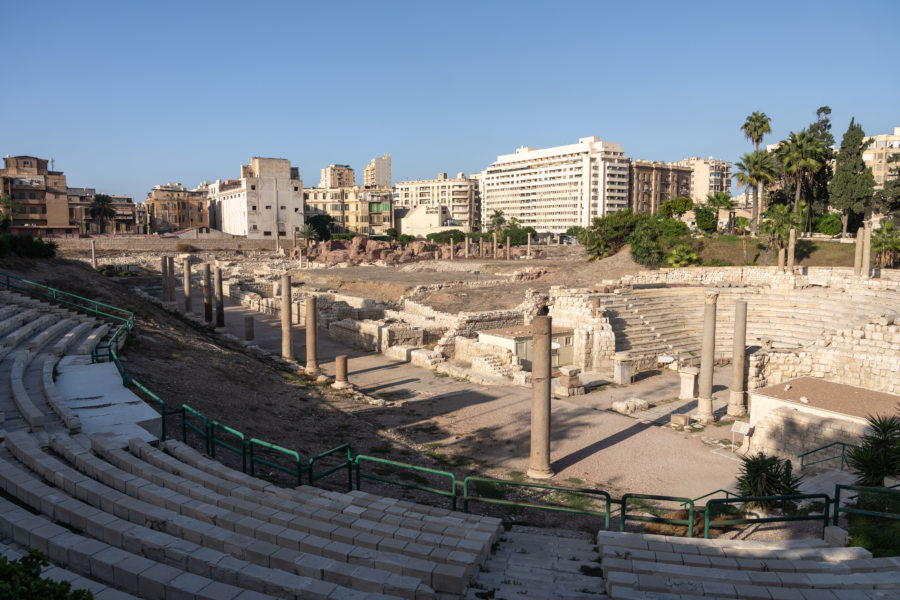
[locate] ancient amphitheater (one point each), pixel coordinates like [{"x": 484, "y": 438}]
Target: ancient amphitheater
[{"x": 123, "y": 507}]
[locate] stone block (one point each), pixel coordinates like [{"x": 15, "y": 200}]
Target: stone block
[
  {"x": 632, "y": 405},
  {"x": 680, "y": 420}
]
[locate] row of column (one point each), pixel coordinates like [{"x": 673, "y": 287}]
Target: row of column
[
  {"x": 167, "y": 268},
  {"x": 481, "y": 248}
]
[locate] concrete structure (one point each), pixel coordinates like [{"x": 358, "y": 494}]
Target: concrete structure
[
  {"x": 707, "y": 358},
  {"x": 539, "y": 466},
  {"x": 312, "y": 336},
  {"x": 880, "y": 148},
  {"x": 708, "y": 176},
  {"x": 266, "y": 201},
  {"x": 553, "y": 189},
  {"x": 354, "y": 210},
  {"x": 652, "y": 183},
  {"x": 425, "y": 219},
  {"x": 460, "y": 195},
  {"x": 337, "y": 176},
  {"x": 518, "y": 340},
  {"x": 378, "y": 173},
  {"x": 39, "y": 197},
  {"x": 736, "y": 404},
  {"x": 171, "y": 207},
  {"x": 287, "y": 344}
]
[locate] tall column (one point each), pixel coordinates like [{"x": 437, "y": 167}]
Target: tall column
[
  {"x": 248, "y": 328},
  {"x": 529, "y": 244},
  {"x": 207, "y": 294},
  {"x": 507, "y": 247},
  {"x": 220, "y": 300},
  {"x": 164, "y": 278},
  {"x": 792, "y": 248},
  {"x": 312, "y": 338},
  {"x": 494, "y": 253},
  {"x": 867, "y": 253},
  {"x": 340, "y": 372},
  {"x": 172, "y": 279},
  {"x": 287, "y": 342},
  {"x": 93, "y": 254},
  {"x": 707, "y": 358},
  {"x": 467, "y": 246},
  {"x": 736, "y": 406},
  {"x": 858, "y": 257},
  {"x": 452, "y": 247},
  {"x": 187, "y": 285},
  {"x": 781, "y": 256},
  {"x": 539, "y": 467},
  {"x": 481, "y": 248}
]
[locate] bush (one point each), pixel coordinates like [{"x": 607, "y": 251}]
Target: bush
[
  {"x": 443, "y": 237},
  {"x": 183, "y": 247},
  {"x": 646, "y": 248},
  {"x": 345, "y": 236},
  {"x": 682, "y": 256},
  {"x": 676, "y": 206},
  {"x": 21, "y": 580},
  {"x": 706, "y": 219},
  {"x": 25, "y": 246},
  {"x": 763, "y": 475},
  {"x": 830, "y": 224},
  {"x": 878, "y": 454},
  {"x": 406, "y": 238}
]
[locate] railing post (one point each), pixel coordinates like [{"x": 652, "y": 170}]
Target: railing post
[
  {"x": 243, "y": 456},
  {"x": 622, "y": 513},
  {"x": 357, "y": 473},
  {"x": 837, "y": 503},
  {"x": 349, "y": 469},
  {"x": 825, "y": 520},
  {"x": 252, "y": 467},
  {"x": 691, "y": 520}
]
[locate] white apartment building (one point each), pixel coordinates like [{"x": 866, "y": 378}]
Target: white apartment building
[
  {"x": 708, "y": 176},
  {"x": 554, "y": 189},
  {"x": 378, "y": 173},
  {"x": 879, "y": 150},
  {"x": 337, "y": 176},
  {"x": 459, "y": 195},
  {"x": 266, "y": 201}
]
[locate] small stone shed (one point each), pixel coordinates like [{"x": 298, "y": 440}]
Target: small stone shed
[{"x": 519, "y": 341}]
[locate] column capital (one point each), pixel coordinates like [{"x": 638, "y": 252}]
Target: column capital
[{"x": 711, "y": 296}]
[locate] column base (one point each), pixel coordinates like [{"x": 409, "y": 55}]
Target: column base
[
  {"x": 736, "y": 406},
  {"x": 539, "y": 474},
  {"x": 342, "y": 385},
  {"x": 312, "y": 370},
  {"x": 704, "y": 411}
]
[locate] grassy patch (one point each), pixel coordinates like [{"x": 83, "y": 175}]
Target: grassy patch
[{"x": 517, "y": 476}]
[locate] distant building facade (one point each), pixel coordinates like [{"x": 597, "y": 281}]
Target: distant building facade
[
  {"x": 879, "y": 150},
  {"x": 171, "y": 207},
  {"x": 125, "y": 221},
  {"x": 553, "y": 189},
  {"x": 423, "y": 219},
  {"x": 337, "y": 176},
  {"x": 652, "y": 183},
  {"x": 459, "y": 195},
  {"x": 378, "y": 173},
  {"x": 708, "y": 176},
  {"x": 354, "y": 209},
  {"x": 40, "y": 204},
  {"x": 266, "y": 201}
]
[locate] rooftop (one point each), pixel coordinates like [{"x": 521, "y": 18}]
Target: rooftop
[{"x": 836, "y": 397}]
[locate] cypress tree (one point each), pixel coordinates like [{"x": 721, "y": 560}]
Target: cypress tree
[{"x": 853, "y": 184}]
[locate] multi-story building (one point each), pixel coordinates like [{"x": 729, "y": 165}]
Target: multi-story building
[
  {"x": 354, "y": 209},
  {"x": 708, "y": 176},
  {"x": 879, "y": 150},
  {"x": 125, "y": 220},
  {"x": 337, "y": 176},
  {"x": 378, "y": 173},
  {"x": 38, "y": 198},
  {"x": 171, "y": 207},
  {"x": 554, "y": 189},
  {"x": 266, "y": 201},
  {"x": 652, "y": 183},
  {"x": 459, "y": 195}
]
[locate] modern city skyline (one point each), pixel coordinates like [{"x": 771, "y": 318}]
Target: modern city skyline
[{"x": 125, "y": 97}]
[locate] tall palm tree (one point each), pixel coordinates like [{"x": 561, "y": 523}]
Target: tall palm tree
[
  {"x": 752, "y": 170},
  {"x": 755, "y": 127},
  {"x": 778, "y": 224},
  {"x": 102, "y": 211},
  {"x": 802, "y": 156},
  {"x": 718, "y": 201}
]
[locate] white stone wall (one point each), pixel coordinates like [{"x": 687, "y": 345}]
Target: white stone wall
[{"x": 594, "y": 341}]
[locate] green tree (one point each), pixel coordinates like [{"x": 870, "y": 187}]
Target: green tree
[
  {"x": 322, "y": 225},
  {"x": 887, "y": 200},
  {"x": 853, "y": 185},
  {"x": 497, "y": 220},
  {"x": 886, "y": 243},
  {"x": 102, "y": 211},
  {"x": 308, "y": 232},
  {"x": 646, "y": 244},
  {"x": 720, "y": 201},
  {"x": 706, "y": 219},
  {"x": 755, "y": 127},
  {"x": 391, "y": 233},
  {"x": 802, "y": 156},
  {"x": 817, "y": 189},
  {"x": 779, "y": 220},
  {"x": 676, "y": 206},
  {"x": 21, "y": 580},
  {"x": 752, "y": 170}
]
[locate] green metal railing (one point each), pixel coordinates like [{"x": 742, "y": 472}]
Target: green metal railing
[
  {"x": 888, "y": 492},
  {"x": 469, "y": 497},
  {"x": 240, "y": 450},
  {"x": 348, "y": 464},
  {"x": 201, "y": 431},
  {"x": 361, "y": 458},
  {"x": 707, "y": 522},
  {"x": 689, "y": 522},
  {"x": 804, "y": 462},
  {"x": 726, "y": 492},
  {"x": 297, "y": 471}
]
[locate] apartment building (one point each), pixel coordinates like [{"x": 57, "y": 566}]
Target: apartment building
[
  {"x": 354, "y": 209},
  {"x": 337, "y": 176},
  {"x": 378, "y": 173},
  {"x": 459, "y": 195},
  {"x": 553, "y": 189},
  {"x": 708, "y": 176},
  {"x": 879, "y": 150},
  {"x": 653, "y": 182},
  {"x": 171, "y": 207},
  {"x": 125, "y": 221},
  {"x": 266, "y": 201},
  {"x": 39, "y": 202}
]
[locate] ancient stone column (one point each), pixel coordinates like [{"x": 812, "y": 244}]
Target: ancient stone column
[
  {"x": 248, "y": 328},
  {"x": 494, "y": 253},
  {"x": 93, "y": 254},
  {"x": 792, "y": 248},
  {"x": 688, "y": 383},
  {"x": 858, "y": 257},
  {"x": 340, "y": 372},
  {"x": 507, "y": 247},
  {"x": 187, "y": 285},
  {"x": 622, "y": 362},
  {"x": 164, "y": 272},
  {"x": 312, "y": 338},
  {"x": 539, "y": 467},
  {"x": 595, "y": 302},
  {"x": 707, "y": 358},
  {"x": 736, "y": 406},
  {"x": 867, "y": 253},
  {"x": 220, "y": 300},
  {"x": 481, "y": 248},
  {"x": 451, "y": 249},
  {"x": 467, "y": 247},
  {"x": 207, "y": 294},
  {"x": 171, "y": 279},
  {"x": 781, "y": 256},
  {"x": 287, "y": 342},
  {"x": 529, "y": 244}
]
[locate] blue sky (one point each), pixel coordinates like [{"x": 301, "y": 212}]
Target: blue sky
[{"x": 126, "y": 95}]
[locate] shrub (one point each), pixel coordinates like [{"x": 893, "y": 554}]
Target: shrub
[
  {"x": 830, "y": 224},
  {"x": 706, "y": 219},
  {"x": 345, "y": 236},
  {"x": 676, "y": 206},
  {"x": 406, "y": 238},
  {"x": 717, "y": 262},
  {"x": 443, "y": 237},
  {"x": 682, "y": 256},
  {"x": 25, "y": 246},
  {"x": 878, "y": 454},
  {"x": 645, "y": 244},
  {"x": 763, "y": 475},
  {"x": 21, "y": 580},
  {"x": 183, "y": 247}
]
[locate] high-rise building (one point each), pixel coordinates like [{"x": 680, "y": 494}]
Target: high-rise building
[
  {"x": 337, "y": 176},
  {"x": 378, "y": 173},
  {"x": 652, "y": 183},
  {"x": 708, "y": 176},
  {"x": 556, "y": 188},
  {"x": 266, "y": 201},
  {"x": 38, "y": 197},
  {"x": 459, "y": 195},
  {"x": 172, "y": 206},
  {"x": 354, "y": 209},
  {"x": 879, "y": 150}
]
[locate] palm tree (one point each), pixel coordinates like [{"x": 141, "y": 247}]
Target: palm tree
[
  {"x": 102, "y": 211},
  {"x": 718, "y": 201},
  {"x": 752, "y": 170},
  {"x": 755, "y": 127},
  {"x": 497, "y": 220},
  {"x": 778, "y": 224},
  {"x": 802, "y": 156},
  {"x": 886, "y": 241},
  {"x": 308, "y": 232}
]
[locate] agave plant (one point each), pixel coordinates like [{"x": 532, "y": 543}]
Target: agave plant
[
  {"x": 763, "y": 475},
  {"x": 878, "y": 454}
]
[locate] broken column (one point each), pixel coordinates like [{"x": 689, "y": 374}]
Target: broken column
[
  {"x": 187, "y": 285},
  {"x": 164, "y": 278},
  {"x": 451, "y": 249},
  {"x": 858, "y": 257},
  {"x": 736, "y": 406},
  {"x": 93, "y": 254},
  {"x": 340, "y": 373},
  {"x": 688, "y": 383},
  {"x": 867, "y": 252},
  {"x": 507, "y": 248},
  {"x": 481, "y": 248},
  {"x": 595, "y": 306},
  {"x": 220, "y": 300},
  {"x": 529, "y": 244},
  {"x": 312, "y": 338},
  {"x": 172, "y": 279},
  {"x": 539, "y": 467},
  {"x": 792, "y": 248},
  {"x": 781, "y": 256},
  {"x": 466, "y": 240},
  {"x": 287, "y": 342},
  {"x": 569, "y": 383},
  {"x": 622, "y": 368},
  {"x": 494, "y": 253},
  {"x": 207, "y": 294},
  {"x": 707, "y": 359},
  {"x": 248, "y": 328}
]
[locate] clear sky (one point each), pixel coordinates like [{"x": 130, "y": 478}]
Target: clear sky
[{"x": 126, "y": 95}]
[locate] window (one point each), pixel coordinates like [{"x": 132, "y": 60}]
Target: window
[
  {"x": 283, "y": 207},
  {"x": 269, "y": 233},
  {"x": 253, "y": 207},
  {"x": 296, "y": 209},
  {"x": 296, "y": 189},
  {"x": 252, "y": 187},
  {"x": 268, "y": 207}
]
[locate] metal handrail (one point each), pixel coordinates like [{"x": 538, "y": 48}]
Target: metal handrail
[
  {"x": 213, "y": 442},
  {"x": 348, "y": 464},
  {"x": 859, "y": 511},
  {"x": 548, "y": 507},
  {"x": 843, "y": 445},
  {"x": 689, "y": 522},
  {"x": 297, "y": 471},
  {"x": 726, "y": 492},
  {"x": 185, "y": 425},
  {"x": 57, "y": 296},
  {"x": 363, "y": 458},
  {"x": 707, "y": 523}
]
